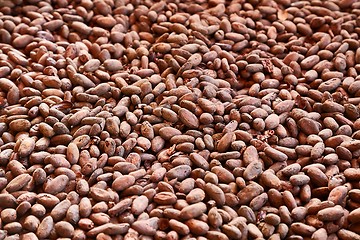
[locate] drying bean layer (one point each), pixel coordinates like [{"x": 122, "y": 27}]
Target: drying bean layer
[{"x": 142, "y": 119}]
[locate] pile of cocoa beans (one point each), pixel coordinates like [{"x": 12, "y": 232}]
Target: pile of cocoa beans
[{"x": 180, "y": 119}]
